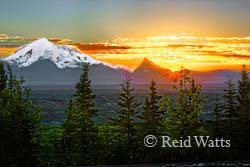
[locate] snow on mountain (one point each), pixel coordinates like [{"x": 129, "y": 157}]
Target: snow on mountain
[{"x": 62, "y": 56}]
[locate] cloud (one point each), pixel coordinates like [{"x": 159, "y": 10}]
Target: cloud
[
  {"x": 61, "y": 41},
  {"x": 100, "y": 48},
  {"x": 228, "y": 55},
  {"x": 7, "y": 37},
  {"x": 166, "y": 51}
]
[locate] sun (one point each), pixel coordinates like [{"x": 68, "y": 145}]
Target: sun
[{"x": 172, "y": 70}]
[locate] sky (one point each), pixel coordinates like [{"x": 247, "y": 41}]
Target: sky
[{"x": 128, "y": 24}]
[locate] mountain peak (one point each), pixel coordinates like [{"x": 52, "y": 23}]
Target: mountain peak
[
  {"x": 61, "y": 56},
  {"x": 146, "y": 60},
  {"x": 41, "y": 42},
  {"x": 148, "y": 71},
  {"x": 147, "y": 63},
  {"x": 43, "y": 39}
]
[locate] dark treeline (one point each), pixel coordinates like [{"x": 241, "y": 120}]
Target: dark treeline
[{"x": 26, "y": 141}]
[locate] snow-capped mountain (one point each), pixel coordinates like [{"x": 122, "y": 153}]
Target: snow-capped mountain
[
  {"x": 42, "y": 49},
  {"x": 44, "y": 63}
]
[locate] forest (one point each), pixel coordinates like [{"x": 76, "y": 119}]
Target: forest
[{"x": 25, "y": 140}]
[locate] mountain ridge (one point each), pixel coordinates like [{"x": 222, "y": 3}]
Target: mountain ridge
[
  {"x": 62, "y": 56},
  {"x": 42, "y": 62}
]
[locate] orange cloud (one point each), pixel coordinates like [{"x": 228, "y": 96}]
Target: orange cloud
[
  {"x": 4, "y": 52},
  {"x": 100, "y": 48},
  {"x": 172, "y": 52}
]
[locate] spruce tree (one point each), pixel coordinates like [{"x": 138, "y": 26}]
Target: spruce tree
[
  {"x": 3, "y": 121},
  {"x": 69, "y": 136},
  {"x": 230, "y": 103},
  {"x": 79, "y": 125},
  {"x": 86, "y": 111},
  {"x": 126, "y": 115},
  {"x": 84, "y": 97},
  {"x": 152, "y": 124},
  {"x": 21, "y": 125},
  {"x": 243, "y": 96},
  {"x": 231, "y": 114},
  {"x": 184, "y": 116},
  {"x": 68, "y": 124},
  {"x": 243, "y": 99},
  {"x": 152, "y": 116}
]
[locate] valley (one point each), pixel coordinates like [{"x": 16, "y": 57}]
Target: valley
[{"x": 53, "y": 100}]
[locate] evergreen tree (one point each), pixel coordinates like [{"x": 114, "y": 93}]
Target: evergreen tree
[
  {"x": 230, "y": 103},
  {"x": 152, "y": 124},
  {"x": 20, "y": 126},
  {"x": 84, "y": 97},
  {"x": 231, "y": 114},
  {"x": 68, "y": 125},
  {"x": 80, "y": 133},
  {"x": 69, "y": 137},
  {"x": 243, "y": 96},
  {"x": 243, "y": 99},
  {"x": 184, "y": 116},
  {"x": 3, "y": 83},
  {"x": 85, "y": 112},
  {"x": 152, "y": 116},
  {"x": 126, "y": 117}
]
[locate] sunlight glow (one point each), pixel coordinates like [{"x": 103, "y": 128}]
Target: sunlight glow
[
  {"x": 196, "y": 53},
  {"x": 173, "y": 52}
]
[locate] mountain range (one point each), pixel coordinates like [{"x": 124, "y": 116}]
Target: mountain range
[{"x": 44, "y": 63}]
